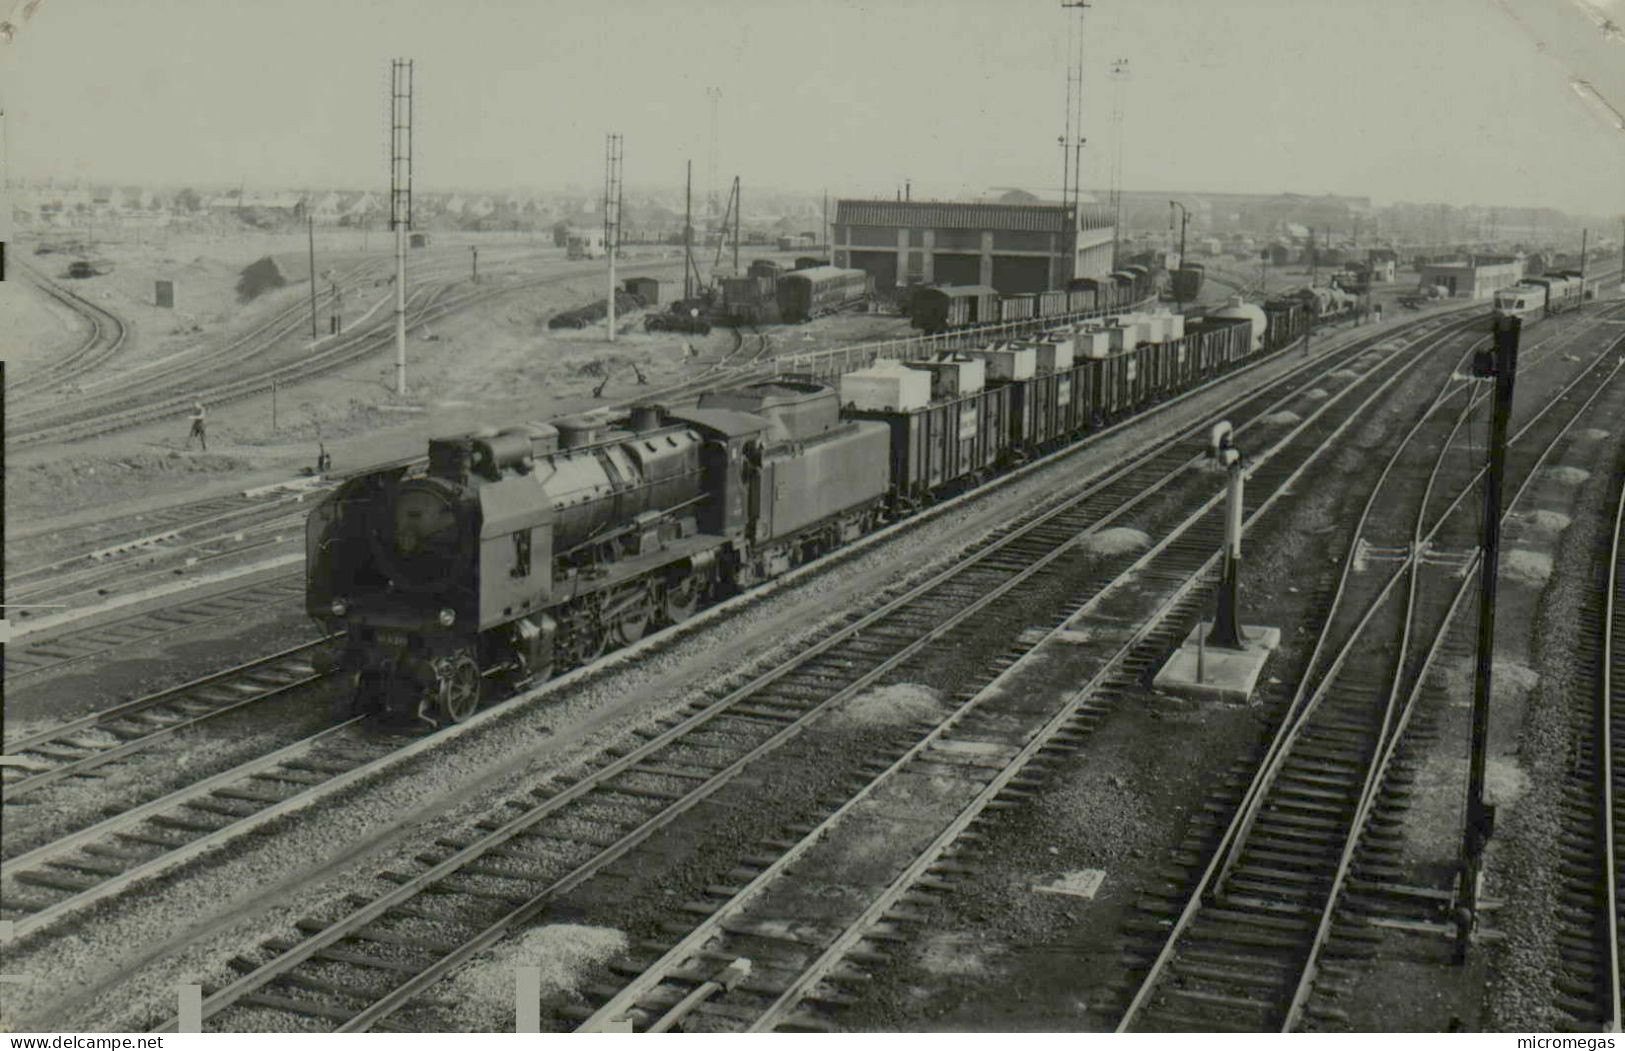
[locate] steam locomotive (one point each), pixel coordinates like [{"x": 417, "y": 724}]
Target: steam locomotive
[{"x": 511, "y": 555}]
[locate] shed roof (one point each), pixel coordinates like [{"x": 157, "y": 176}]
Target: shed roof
[{"x": 953, "y": 215}]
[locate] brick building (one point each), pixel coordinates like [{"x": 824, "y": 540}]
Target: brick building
[{"x": 1009, "y": 247}]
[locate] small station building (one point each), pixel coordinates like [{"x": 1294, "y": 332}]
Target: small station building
[{"x": 1477, "y": 278}]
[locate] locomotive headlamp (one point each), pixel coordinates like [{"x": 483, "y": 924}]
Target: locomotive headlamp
[
  {"x": 448, "y": 617},
  {"x": 340, "y": 607}
]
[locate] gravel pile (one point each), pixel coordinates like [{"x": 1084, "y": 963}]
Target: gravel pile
[
  {"x": 483, "y": 992},
  {"x": 899, "y": 704},
  {"x": 1527, "y": 567},
  {"x": 1119, "y": 540}
]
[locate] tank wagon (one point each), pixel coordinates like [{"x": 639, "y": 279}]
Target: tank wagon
[{"x": 511, "y": 555}]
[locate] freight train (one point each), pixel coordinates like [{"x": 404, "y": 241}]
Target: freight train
[
  {"x": 511, "y": 555},
  {"x": 940, "y": 308},
  {"x": 1535, "y": 297}
]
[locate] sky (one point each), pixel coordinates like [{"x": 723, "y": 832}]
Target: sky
[{"x": 1460, "y": 101}]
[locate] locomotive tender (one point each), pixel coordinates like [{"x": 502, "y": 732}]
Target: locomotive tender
[{"x": 511, "y": 555}]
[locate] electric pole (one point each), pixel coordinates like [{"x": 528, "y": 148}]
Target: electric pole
[
  {"x": 400, "y": 199},
  {"x": 1119, "y": 78},
  {"x": 688, "y": 233},
  {"x": 714, "y": 94},
  {"x": 1500, "y": 365},
  {"x": 612, "y": 215},
  {"x": 310, "y": 228},
  {"x": 1184, "y": 221}
]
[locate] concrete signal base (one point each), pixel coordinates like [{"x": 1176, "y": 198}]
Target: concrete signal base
[{"x": 1225, "y": 674}]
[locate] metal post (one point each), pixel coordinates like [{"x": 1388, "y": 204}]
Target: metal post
[
  {"x": 400, "y": 200},
  {"x": 688, "y": 232},
  {"x": 738, "y": 208},
  {"x": 612, "y": 216},
  {"x": 1480, "y": 814},
  {"x": 310, "y": 227},
  {"x": 1227, "y": 618}
]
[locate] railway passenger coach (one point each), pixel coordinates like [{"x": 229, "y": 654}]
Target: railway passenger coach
[
  {"x": 820, "y": 290},
  {"x": 510, "y": 555}
]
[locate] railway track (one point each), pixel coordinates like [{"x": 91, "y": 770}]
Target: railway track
[
  {"x": 1247, "y": 947},
  {"x": 1588, "y": 982},
  {"x": 78, "y": 885},
  {"x": 77, "y": 747},
  {"x": 106, "y": 339},
  {"x": 99, "y": 639},
  {"x": 28, "y": 658},
  {"x": 482, "y": 883}
]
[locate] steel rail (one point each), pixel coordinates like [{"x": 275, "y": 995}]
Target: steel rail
[
  {"x": 1132, "y": 576},
  {"x": 230, "y": 676},
  {"x": 1613, "y": 626},
  {"x": 1380, "y": 769},
  {"x": 1291, "y": 728}
]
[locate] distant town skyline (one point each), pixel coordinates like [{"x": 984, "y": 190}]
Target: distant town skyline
[{"x": 1465, "y": 102}]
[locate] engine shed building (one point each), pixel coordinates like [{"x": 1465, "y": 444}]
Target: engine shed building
[
  {"x": 1008, "y": 247},
  {"x": 1476, "y": 278}
]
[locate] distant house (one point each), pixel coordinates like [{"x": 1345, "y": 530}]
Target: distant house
[
  {"x": 361, "y": 210},
  {"x": 328, "y": 208}
]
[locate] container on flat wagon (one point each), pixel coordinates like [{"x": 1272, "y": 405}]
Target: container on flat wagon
[
  {"x": 1008, "y": 362},
  {"x": 954, "y": 377},
  {"x": 1092, "y": 342},
  {"x": 1173, "y": 324},
  {"x": 1054, "y": 352},
  {"x": 1123, "y": 337},
  {"x": 890, "y": 387}
]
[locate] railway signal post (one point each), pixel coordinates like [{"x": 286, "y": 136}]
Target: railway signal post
[
  {"x": 1227, "y": 631},
  {"x": 1501, "y": 366},
  {"x": 1222, "y": 660}
]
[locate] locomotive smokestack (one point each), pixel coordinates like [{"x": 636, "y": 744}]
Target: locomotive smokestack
[{"x": 646, "y": 417}]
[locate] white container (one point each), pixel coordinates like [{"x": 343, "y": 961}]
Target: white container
[
  {"x": 1176, "y": 325},
  {"x": 1093, "y": 343},
  {"x": 951, "y": 379},
  {"x": 1123, "y": 337},
  {"x": 886, "y": 388},
  {"x": 1009, "y": 363},
  {"x": 1054, "y": 353}
]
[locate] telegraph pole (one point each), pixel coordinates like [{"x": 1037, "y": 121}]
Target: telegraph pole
[
  {"x": 688, "y": 233},
  {"x": 612, "y": 215},
  {"x": 400, "y": 199},
  {"x": 1184, "y": 221},
  {"x": 310, "y": 227},
  {"x": 1501, "y": 365}
]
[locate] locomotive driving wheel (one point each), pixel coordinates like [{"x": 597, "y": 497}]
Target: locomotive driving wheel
[
  {"x": 457, "y": 687},
  {"x": 680, "y": 600}
]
